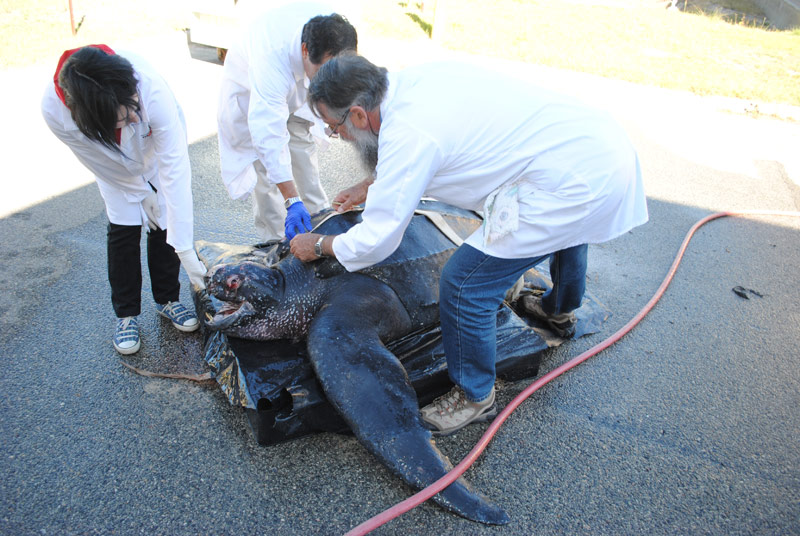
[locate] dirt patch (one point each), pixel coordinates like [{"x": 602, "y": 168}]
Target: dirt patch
[
  {"x": 744, "y": 12},
  {"x": 734, "y": 11}
]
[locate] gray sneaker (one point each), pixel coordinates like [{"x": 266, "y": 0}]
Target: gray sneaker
[
  {"x": 453, "y": 411},
  {"x": 562, "y": 324}
]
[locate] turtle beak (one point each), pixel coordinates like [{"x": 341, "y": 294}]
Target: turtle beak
[{"x": 229, "y": 315}]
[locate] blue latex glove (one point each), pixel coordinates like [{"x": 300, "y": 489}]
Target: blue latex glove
[{"x": 298, "y": 220}]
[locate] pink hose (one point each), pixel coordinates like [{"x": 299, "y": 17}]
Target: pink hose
[{"x": 425, "y": 494}]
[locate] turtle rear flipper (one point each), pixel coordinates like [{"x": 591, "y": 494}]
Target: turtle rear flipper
[{"x": 370, "y": 389}]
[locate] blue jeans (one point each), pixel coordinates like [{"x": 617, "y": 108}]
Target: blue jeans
[{"x": 472, "y": 288}]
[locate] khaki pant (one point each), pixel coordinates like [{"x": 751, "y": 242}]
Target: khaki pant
[{"x": 268, "y": 204}]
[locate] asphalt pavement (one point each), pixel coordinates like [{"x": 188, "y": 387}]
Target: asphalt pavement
[{"x": 688, "y": 425}]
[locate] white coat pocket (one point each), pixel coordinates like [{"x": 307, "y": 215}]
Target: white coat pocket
[{"x": 501, "y": 212}]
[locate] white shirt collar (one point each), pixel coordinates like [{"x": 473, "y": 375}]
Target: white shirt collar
[{"x": 296, "y": 58}]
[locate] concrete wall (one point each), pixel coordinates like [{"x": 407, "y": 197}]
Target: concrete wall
[{"x": 783, "y": 14}]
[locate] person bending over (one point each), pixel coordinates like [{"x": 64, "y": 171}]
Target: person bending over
[
  {"x": 122, "y": 122},
  {"x": 267, "y": 135},
  {"x": 549, "y": 173}
]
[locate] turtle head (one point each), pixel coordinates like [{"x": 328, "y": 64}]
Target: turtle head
[{"x": 248, "y": 290}]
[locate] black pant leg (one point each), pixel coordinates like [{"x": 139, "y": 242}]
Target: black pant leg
[
  {"x": 125, "y": 268},
  {"x": 164, "y": 266}
]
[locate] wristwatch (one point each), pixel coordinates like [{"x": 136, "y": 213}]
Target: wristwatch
[
  {"x": 291, "y": 201},
  {"x": 318, "y": 247}
]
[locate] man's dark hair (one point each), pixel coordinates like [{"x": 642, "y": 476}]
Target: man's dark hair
[
  {"x": 348, "y": 80},
  {"x": 96, "y": 85},
  {"x": 328, "y": 34}
]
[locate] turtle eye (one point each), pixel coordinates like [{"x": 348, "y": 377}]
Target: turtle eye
[{"x": 233, "y": 282}]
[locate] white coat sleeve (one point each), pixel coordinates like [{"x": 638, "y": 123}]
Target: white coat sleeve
[
  {"x": 408, "y": 160},
  {"x": 174, "y": 170},
  {"x": 270, "y": 81}
]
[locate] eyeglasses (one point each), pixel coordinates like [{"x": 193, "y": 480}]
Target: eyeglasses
[
  {"x": 128, "y": 116},
  {"x": 339, "y": 124}
]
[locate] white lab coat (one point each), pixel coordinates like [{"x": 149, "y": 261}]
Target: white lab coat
[
  {"x": 263, "y": 83},
  {"x": 154, "y": 150},
  {"x": 458, "y": 133}
]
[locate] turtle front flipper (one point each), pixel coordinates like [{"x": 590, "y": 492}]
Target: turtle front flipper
[{"x": 370, "y": 389}]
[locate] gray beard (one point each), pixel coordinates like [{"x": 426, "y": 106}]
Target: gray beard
[{"x": 366, "y": 144}]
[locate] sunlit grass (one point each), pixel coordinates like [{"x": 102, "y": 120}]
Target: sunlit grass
[
  {"x": 648, "y": 45},
  {"x": 688, "y": 50},
  {"x": 33, "y": 31}
]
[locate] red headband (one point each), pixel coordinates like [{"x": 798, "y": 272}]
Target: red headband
[{"x": 64, "y": 56}]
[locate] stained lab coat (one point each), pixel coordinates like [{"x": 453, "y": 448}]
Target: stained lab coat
[
  {"x": 154, "y": 150},
  {"x": 263, "y": 83},
  {"x": 459, "y": 133}
]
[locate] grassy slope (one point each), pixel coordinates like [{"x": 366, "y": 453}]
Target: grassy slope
[
  {"x": 649, "y": 45},
  {"x": 32, "y": 31},
  {"x": 688, "y": 51}
]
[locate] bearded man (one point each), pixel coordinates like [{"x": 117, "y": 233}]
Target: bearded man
[{"x": 550, "y": 175}]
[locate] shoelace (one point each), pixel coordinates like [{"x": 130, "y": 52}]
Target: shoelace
[
  {"x": 450, "y": 403},
  {"x": 176, "y": 311},
  {"x": 126, "y": 328}
]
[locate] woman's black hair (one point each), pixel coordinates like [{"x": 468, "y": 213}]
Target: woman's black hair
[{"x": 96, "y": 85}]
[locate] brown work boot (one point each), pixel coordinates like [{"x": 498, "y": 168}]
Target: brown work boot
[
  {"x": 562, "y": 324},
  {"x": 453, "y": 411}
]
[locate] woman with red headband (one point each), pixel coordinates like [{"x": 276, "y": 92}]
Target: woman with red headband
[{"x": 122, "y": 122}]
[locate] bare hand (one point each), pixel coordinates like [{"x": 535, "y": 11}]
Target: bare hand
[
  {"x": 302, "y": 246},
  {"x": 347, "y": 199}
]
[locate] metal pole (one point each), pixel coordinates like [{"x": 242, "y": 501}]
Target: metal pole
[{"x": 71, "y": 18}]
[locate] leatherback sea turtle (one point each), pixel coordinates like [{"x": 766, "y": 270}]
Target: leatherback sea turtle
[{"x": 277, "y": 329}]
